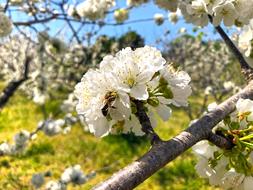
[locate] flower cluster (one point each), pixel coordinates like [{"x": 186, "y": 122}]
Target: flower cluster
[
  {"x": 93, "y": 9},
  {"x": 70, "y": 175},
  {"x": 49, "y": 127},
  {"x": 245, "y": 42},
  {"x": 5, "y": 25},
  {"x": 231, "y": 12},
  {"x": 121, "y": 15},
  {"x": 159, "y": 18},
  {"x": 21, "y": 140},
  {"x": 106, "y": 95},
  {"x": 136, "y": 2},
  {"x": 21, "y": 2},
  {"x": 230, "y": 169}
]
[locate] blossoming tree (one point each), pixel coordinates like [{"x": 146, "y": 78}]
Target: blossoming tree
[{"x": 124, "y": 92}]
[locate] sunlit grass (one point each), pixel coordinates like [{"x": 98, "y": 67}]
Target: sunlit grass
[{"x": 79, "y": 147}]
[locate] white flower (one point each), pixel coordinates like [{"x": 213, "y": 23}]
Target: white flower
[
  {"x": 182, "y": 30},
  {"x": 121, "y": 15},
  {"x": 5, "y": 149},
  {"x": 159, "y": 18},
  {"x": 99, "y": 98},
  {"x": 225, "y": 12},
  {"x": 73, "y": 175},
  {"x": 228, "y": 85},
  {"x": 69, "y": 104},
  {"x": 232, "y": 179},
  {"x": 173, "y": 17},
  {"x": 16, "y": 2},
  {"x": 198, "y": 11},
  {"x": 169, "y": 5},
  {"x": 161, "y": 105},
  {"x": 38, "y": 97},
  {"x": 135, "y": 68},
  {"x": 66, "y": 130},
  {"x": 37, "y": 180},
  {"x": 244, "y": 9},
  {"x": 248, "y": 183},
  {"x": 134, "y": 125},
  {"x": 178, "y": 82},
  {"x": 204, "y": 151},
  {"x": 94, "y": 9},
  {"x": 106, "y": 95},
  {"x": 53, "y": 127},
  {"x": 136, "y": 2},
  {"x": 22, "y": 137},
  {"x": 54, "y": 185},
  {"x": 208, "y": 90},
  {"x": 245, "y": 39},
  {"x": 5, "y": 25},
  {"x": 245, "y": 106}
]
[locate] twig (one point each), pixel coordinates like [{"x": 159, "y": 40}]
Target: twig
[
  {"x": 145, "y": 122},
  {"x": 220, "y": 141},
  {"x": 246, "y": 69}
]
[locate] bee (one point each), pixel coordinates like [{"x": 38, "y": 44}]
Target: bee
[{"x": 109, "y": 99}]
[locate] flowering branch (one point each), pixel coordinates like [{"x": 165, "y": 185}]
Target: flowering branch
[
  {"x": 246, "y": 69},
  {"x": 165, "y": 151},
  {"x": 145, "y": 122},
  {"x": 14, "y": 84}
]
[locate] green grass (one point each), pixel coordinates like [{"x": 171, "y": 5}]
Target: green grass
[{"x": 80, "y": 147}]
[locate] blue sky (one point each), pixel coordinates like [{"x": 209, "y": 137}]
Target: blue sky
[{"x": 149, "y": 30}]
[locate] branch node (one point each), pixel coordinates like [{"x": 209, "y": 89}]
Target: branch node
[{"x": 220, "y": 141}]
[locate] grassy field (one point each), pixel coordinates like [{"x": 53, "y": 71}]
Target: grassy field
[{"x": 80, "y": 147}]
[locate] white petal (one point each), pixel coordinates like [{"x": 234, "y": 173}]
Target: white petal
[
  {"x": 99, "y": 127},
  {"x": 139, "y": 92},
  {"x": 164, "y": 111},
  {"x": 248, "y": 183}
]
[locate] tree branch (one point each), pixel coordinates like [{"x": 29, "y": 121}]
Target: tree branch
[
  {"x": 12, "y": 86},
  {"x": 247, "y": 71},
  {"x": 220, "y": 141},
  {"x": 165, "y": 151},
  {"x": 145, "y": 123}
]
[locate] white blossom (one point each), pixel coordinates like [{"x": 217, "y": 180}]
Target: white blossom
[
  {"x": 245, "y": 106},
  {"x": 178, "y": 82},
  {"x": 229, "y": 85},
  {"x": 226, "y": 12},
  {"x": 159, "y": 18},
  {"x": 52, "y": 127},
  {"x": 73, "y": 175},
  {"x": 106, "y": 106},
  {"x": 54, "y": 185},
  {"x": 94, "y": 9},
  {"x": 5, "y": 25},
  {"x": 173, "y": 17},
  {"x": 136, "y": 2},
  {"x": 121, "y": 15},
  {"x": 208, "y": 90},
  {"x": 5, "y": 149},
  {"x": 198, "y": 11},
  {"x": 37, "y": 180},
  {"x": 22, "y": 137},
  {"x": 169, "y": 5}
]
